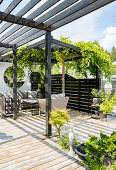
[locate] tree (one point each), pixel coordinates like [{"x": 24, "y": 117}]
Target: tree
[{"x": 113, "y": 53}]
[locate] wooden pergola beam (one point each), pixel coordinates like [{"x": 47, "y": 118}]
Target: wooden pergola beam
[
  {"x": 41, "y": 44},
  {"x": 68, "y": 17},
  {"x": 37, "y": 44},
  {"x": 63, "y": 44},
  {"x": 10, "y": 8},
  {"x": 33, "y": 15},
  {"x": 22, "y": 12},
  {"x": 6, "y": 45},
  {"x": 22, "y": 21}
]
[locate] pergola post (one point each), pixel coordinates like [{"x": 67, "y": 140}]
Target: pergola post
[
  {"x": 14, "y": 82},
  {"x": 63, "y": 76},
  {"x": 48, "y": 81},
  {"x": 98, "y": 80}
]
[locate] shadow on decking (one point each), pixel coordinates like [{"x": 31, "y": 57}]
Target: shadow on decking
[
  {"x": 34, "y": 127},
  {"x": 4, "y": 136}
]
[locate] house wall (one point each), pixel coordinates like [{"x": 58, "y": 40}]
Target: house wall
[{"x": 4, "y": 86}]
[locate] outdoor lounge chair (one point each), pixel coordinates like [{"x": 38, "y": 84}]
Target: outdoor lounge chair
[
  {"x": 57, "y": 101},
  {"x": 28, "y": 99}
]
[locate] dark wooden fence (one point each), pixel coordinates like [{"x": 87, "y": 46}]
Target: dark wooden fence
[{"x": 78, "y": 90}]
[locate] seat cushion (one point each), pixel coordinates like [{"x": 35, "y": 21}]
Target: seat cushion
[
  {"x": 60, "y": 95},
  {"x": 32, "y": 94},
  {"x": 23, "y": 95},
  {"x": 1, "y": 94}
]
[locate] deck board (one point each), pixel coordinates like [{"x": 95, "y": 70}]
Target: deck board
[{"x": 21, "y": 146}]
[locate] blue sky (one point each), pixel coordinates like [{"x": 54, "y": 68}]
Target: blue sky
[{"x": 99, "y": 25}]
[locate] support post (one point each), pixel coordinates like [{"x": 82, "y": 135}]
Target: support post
[
  {"x": 48, "y": 81},
  {"x": 98, "y": 80},
  {"x": 63, "y": 76},
  {"x": 14, "y": 82}
]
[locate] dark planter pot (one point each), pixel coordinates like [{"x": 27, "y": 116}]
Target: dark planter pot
[
  {"x": 96, "y": 101},
  {"x": 101, "y": 115},
  {"x": 80, "y": 151}
]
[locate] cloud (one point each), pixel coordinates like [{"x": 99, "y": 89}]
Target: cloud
[
  {"x": 84, "y": 29},
  {"x": 109, "y": 39}
]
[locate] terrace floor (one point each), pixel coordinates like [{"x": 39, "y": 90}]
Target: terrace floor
[{"x": 23, "y": 144}]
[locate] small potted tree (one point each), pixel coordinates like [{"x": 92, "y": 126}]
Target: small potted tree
[
  {"x": 58, "y": 118},
  {"x": 106, "y": 106}
]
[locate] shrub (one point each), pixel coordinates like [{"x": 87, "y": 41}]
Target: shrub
[
  {"x": 107, "y": 103},
  {"x": 97, "y": 93},
  {"x": 58, "y": 118},
  {"x": 64, "y": 142},
  {"x": 101, "y": 152}
]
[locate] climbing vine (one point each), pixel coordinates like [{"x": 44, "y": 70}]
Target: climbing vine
[
  {"x": 64, "y": 53},
  {"x": 27, "y": 57},
  {"x": 92, "y": 55}
]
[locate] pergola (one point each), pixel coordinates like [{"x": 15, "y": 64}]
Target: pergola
[{"x": 22, "y": 21}]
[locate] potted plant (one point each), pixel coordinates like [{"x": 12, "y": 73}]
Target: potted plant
[
  {"x": 101, "y": 152},
  {"x": 97, "y": 96},
  {"x": 80, "y": 151},
  {"x": 106, "y": 106},
  {"x": 58, "y": 118}
]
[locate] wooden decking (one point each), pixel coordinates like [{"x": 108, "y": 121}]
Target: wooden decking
[{"x": 21, "y": 146}]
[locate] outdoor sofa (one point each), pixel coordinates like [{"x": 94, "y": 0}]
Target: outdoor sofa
[
  {"x": 58, "y": 101},
  {"x": 30, "y": 100}
]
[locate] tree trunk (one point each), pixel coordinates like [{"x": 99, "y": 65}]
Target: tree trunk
[{"x": 63, "y": 76}]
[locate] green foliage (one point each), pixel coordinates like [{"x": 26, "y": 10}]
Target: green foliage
[
  {"x": 93, "y": 55},
  {"x": 113, "y": 54},
  {"x": 56, "y": 69},
  {"x": 27, "y": 57},
  {"x": 66, "y": 53},
  {"x": 97, "y": 93},
  {"x": 107, "y": 103},
  {"x": 101, "y": 151},
  {"x": 41, "y": 86},
  {"x": 58, "y": 118},
  {"x": 64, "y": 142},
  {"x": 20, "y": 73},
  {"x": 8, "y": 75}
]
